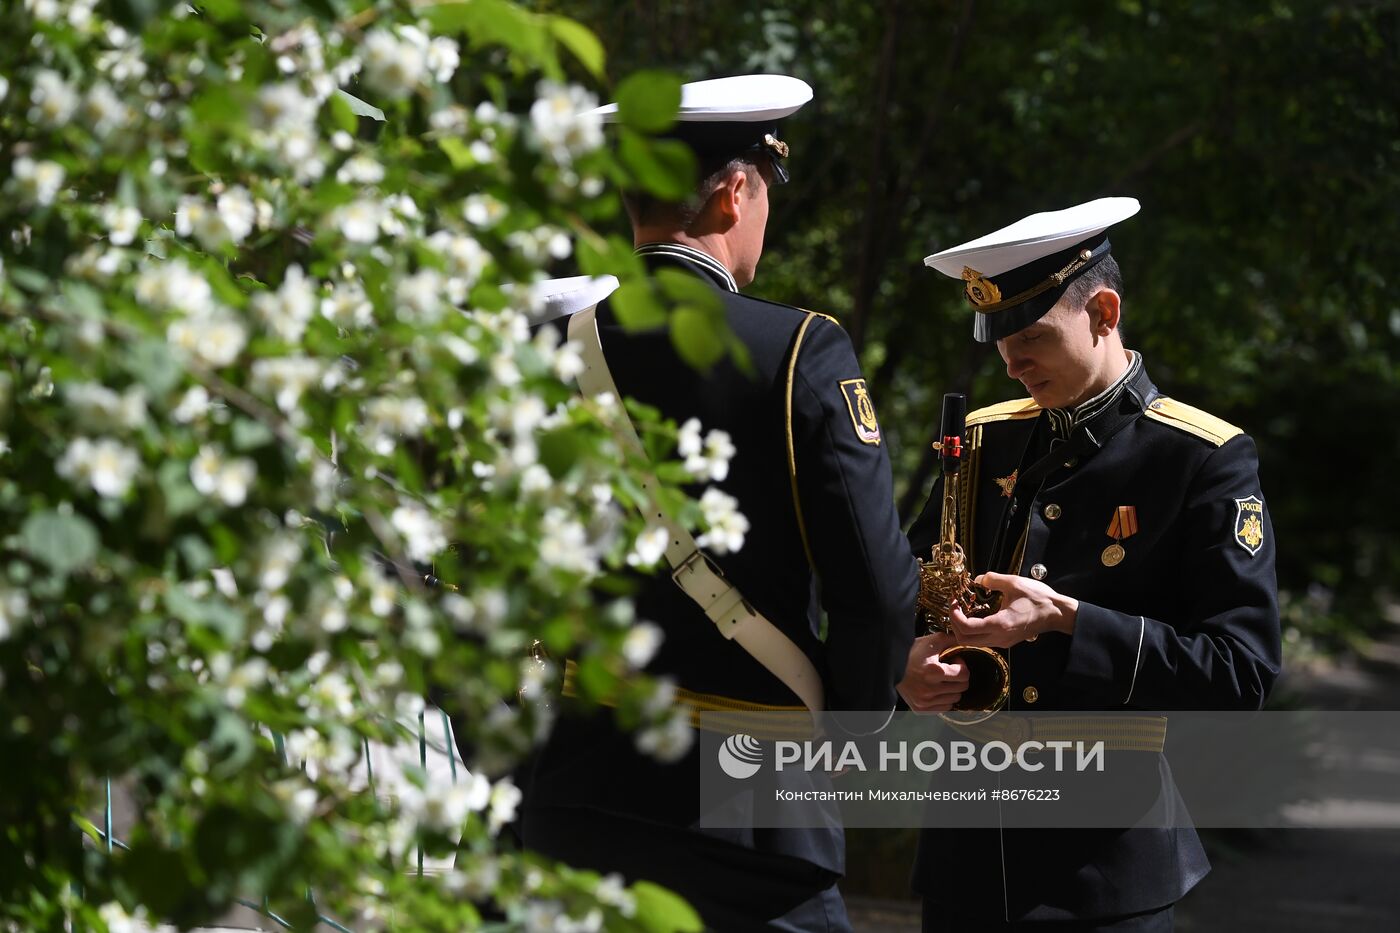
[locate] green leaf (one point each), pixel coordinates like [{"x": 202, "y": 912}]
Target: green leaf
[
  {"x": 458, "y": 152},
  {"x": 65, "y": 542},
  {"x": 359, "y": 107},
  {"x": 181, "y": 497},
  {"x": 82, "y": 299},
  {"x": 698, "y": 337},
  {"x": 250, "y": 435},
  {"x": 343, "y": 114},
  {"x": 581, "y": 41},
  {"x": 154, "y": 365},
  {"x": 28, "y": 279},
  {"x": 660, "y": 910},
  {"x": 684, "y": 288},
  {"x": 636, "y": 307},
  {"x": 664, "y": 167},
  {"x": 497, "y": 22},
  {"x": 649, "y": 100}
]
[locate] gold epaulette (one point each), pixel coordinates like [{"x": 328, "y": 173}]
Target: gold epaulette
[
  {"x": 1192, "y": 420},
  {"x": 1013, "y": 410}
]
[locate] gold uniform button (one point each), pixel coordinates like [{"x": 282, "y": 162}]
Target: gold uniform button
[
  {"x": 1053, "y": 511},
  {"x": 1038, "y": 572},
  {"x": 1030, "y": 694}
]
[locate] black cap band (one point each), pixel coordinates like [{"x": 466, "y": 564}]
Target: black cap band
[{"x": 1019, "y": 297}]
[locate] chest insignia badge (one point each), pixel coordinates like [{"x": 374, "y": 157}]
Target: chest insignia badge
[{"x": 1007, "y": 483}]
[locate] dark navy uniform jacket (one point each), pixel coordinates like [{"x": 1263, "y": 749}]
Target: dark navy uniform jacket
[
  {"x": 1187, "y": 620},
  {"x": 861, "y": 572}
]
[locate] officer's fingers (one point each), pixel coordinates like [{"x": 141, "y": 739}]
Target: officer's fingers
[{"x": 1000, "y": 582}]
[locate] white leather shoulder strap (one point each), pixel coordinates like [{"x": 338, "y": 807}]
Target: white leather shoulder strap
[{"x": 691, "y": 570}]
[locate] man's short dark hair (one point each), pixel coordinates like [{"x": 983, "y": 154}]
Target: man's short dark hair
[
  {"x": 1103, "y": 274},
  {"x": 649, "y": 210}
]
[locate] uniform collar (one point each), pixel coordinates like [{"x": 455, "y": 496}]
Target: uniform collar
[
  {"x": 1063, "y": 421},
  {"x": 700, "y": 260}
]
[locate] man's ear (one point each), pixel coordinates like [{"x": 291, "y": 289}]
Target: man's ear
[
  {"x": 730, "y": 196},
  {"x": 1104, "y": 310}
]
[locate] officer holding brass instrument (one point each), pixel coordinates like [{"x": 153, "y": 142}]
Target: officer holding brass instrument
[{"x": 1131, "y": 546}]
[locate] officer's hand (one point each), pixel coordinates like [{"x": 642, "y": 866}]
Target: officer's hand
[
  {"x": 929, "y": 685},
  {"x": 1029, "y": 608}
]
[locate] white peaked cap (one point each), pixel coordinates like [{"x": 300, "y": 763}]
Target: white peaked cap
[
  {"x": 737, "y": 99},
  {"x": 1032, "y": 238}
]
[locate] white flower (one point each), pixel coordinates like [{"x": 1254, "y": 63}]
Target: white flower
[
  {"x": 360, "y": 169},
  {"x": 562, "y": 121},
  {"x": 465, "y": 258},
  {"x": 193, "y": 404},
  {"x": 104, "y": 111},
  {"x": 106, "y": 465},
  {"x": 279, "y": 558},
  {"x": 649, "y": 548},
  {"x": 122, "y": 221},
  {"x": 707, "y": 459},
  {"x": 541, "y": 243},
  {"x": 394, "y": 67},
  {"x": 505, "y": 797},
  {"x": 53, "y": 99},
  {"x": 119, "y": 921},
  {"x": 420, "y": 295},
  {"x": 228, "y": 479},
  {"x": 250, "y": 675},
  {"x": 483, "y": 210},
  {"x": 564, "y": 544},
  {"x": 727, "y": 525},
  {"x": 14, "y": 611},
  {"x": 422, "y": 535},
  {"x": 333, "y": 618},
  {"x": 612, "y": 890},
  {"x": 568, "y": 362},
  {"x": 284, "y": 107},
  {"x": 38, "y": 181},
  {"x": 348, "y": 305},
  {"x": 287, "y": 310},
  {"x": 333, "y": 693},
  {"x": 443, "y": 58},
  {"x": 387, "y": 419},
  {"x": 358, "y": 221},
  {"x": 229, "y": 220},
  {"x": 669, "y": 741},
  {"x": 640, "y": 644},
  {"x": 215, "y": 339},
  {"x": 287, "y": 377},
  {"x": 170, "y": 286}
]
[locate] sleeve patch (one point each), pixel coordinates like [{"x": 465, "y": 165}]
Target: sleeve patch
[
  {"x": 862, "y": 410},
  {"x": 1249, "y": 524}
]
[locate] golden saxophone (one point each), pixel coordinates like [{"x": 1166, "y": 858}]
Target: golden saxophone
[{"x": 944, "y": 579}]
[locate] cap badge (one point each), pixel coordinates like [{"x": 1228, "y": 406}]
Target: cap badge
[
  {"x": 775, "y": 144},
  {"x": 981, "y": 290}
]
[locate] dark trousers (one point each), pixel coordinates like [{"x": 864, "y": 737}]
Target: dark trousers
[
  {"x": 1156, "y": 921},
  {"x": 732, "y": 888}
]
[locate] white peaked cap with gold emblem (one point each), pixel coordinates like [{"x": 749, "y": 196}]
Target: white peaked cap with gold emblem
[
  {"x": 1016, "y": 274},
  {"x": 723, "y": 118},
  {"x": 557, "y": 298}
]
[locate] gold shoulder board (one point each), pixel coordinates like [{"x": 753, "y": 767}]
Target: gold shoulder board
[
  {"x": 1192, "y": 420},
  {"x": 1013, "y": 410}
]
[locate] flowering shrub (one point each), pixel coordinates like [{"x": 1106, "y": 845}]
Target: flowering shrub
[{"x": 267, "y": 370}]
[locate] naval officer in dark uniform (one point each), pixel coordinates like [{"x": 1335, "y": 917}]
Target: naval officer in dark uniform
[
  {"x": 812, "y": 476},
  {"x": 1131, "y": 543}
]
